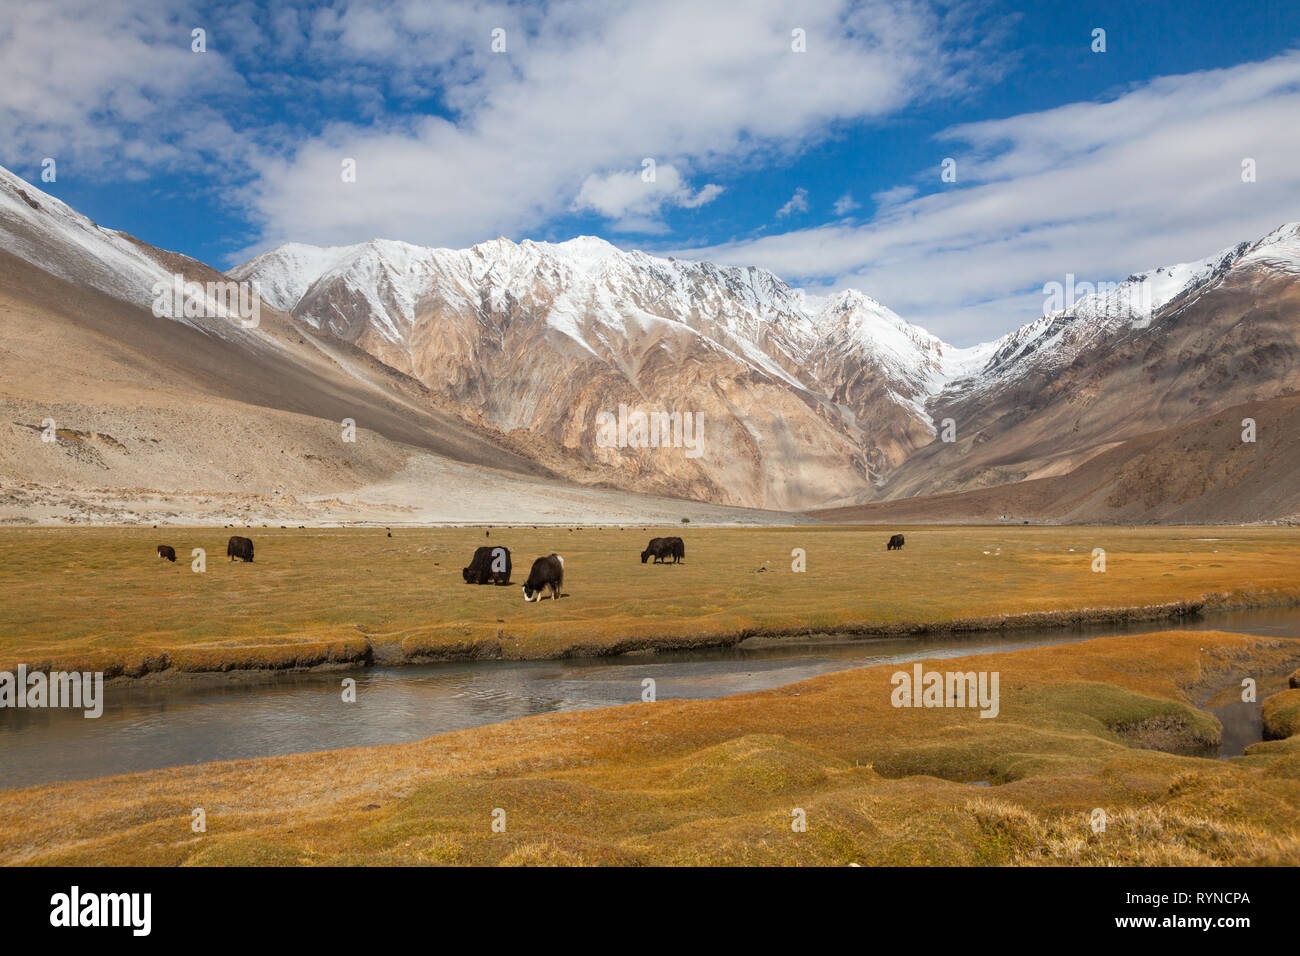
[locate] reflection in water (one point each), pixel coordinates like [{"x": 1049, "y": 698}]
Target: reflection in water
[{"x": 146, "y": 727}]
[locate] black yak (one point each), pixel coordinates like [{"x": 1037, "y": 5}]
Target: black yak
[
  {"x": 657, "y": 549},
  {"x": 167, "y": 551},
  {"x": 895, "y": 543},
  {"x": 241, "y": 548},
  {"x": 547, "y": 572},
  {"x": 490, "y": 565},
  {"x": 663, "y": 548}
]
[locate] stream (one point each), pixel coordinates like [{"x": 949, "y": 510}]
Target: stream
[{"x": 147, "y": 726}]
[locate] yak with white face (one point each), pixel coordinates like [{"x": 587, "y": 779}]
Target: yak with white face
[{"x": 547, "y": 572}]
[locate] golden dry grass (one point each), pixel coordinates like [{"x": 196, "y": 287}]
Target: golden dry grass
[
  {"x": 1282, "y": 715},
  {"x": 99, "y": 596},
  {"x": 718, "y": 781}
]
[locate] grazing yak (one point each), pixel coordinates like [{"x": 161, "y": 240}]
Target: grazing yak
[
  {"x": 657, "y": 549},
  {"x": 895, "y": 543},
  {"x": 547, "y": 572},
  {"x": 240, "y": 548},
  {"x": 663, "y": 548},
  {"x": 167, "y": 551},
  {"x": 490, "y": 565}
]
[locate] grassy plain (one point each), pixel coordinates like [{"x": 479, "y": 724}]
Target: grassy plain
[
  {"x": 720, "y": 781},
  {"x": 78, "y": 597}
]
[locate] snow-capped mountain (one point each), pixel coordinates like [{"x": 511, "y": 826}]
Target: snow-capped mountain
[
  {"x": 594, "y": 290},
  {"x": 46, "y": 232},
  {"x": 585, "y": 289},
  {"x": 1164, "y": 348},
  {"x": 543, "y": 336},
  {"x": 594, "y": 287},
  {"x": 149, "y": 405},
  {"x": 1055, "y": 339}
]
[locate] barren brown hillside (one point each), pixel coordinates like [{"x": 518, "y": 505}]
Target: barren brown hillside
[{"x": 1202, "y": 472}]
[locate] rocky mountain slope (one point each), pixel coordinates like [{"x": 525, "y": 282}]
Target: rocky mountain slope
[
  {"x": 800, "y": 405},
  {"x": 1194, "y": 473},
  {"x": 1078, "y": 382}
]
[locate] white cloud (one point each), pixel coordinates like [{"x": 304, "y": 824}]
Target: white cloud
[
  {"x": 497, "y": 142},
  {"x": 845, "y": 205},
  {"x": 112, "y": 83},
  {"x": 706, "y": 195},
  {"x": 635, "y": 200},
  {"x": 894, "y": 195},
  {"x": 1100, "y": 190},
  {"x": 798, "y": 203},
  {"x": 582, "y": 95}
]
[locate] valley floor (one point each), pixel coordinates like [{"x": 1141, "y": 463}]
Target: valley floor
[
  {"x": 99, "y": 598},
  {"x": 1091, "y": 760},
  {"x": 423, "y": 490}
]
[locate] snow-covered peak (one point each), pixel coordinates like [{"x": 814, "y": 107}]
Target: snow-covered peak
[
  {"x": 852, "y": 309},
  {"x": 1055, "y": 339},
  {"x": 598, "y": 294},
  {"x": 1141, "y": 295},
  {"x": 585, "y": 274},
  {"x": 51, "y": 235},
  {"x": 286, "y": 272},
  {"x": 584, "y": 253},
  {"x": 54, "y": 237},
  {"x": 854, "y": 321},
  {"x": 1280, "y": 249}
]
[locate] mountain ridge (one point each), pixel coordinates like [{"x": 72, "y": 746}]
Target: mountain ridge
[
  {"x": 808, "y": 403},
  {"x": 880, "y": 383}
]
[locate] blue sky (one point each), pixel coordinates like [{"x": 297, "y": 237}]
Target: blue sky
[{"x": 821, "y": 165}]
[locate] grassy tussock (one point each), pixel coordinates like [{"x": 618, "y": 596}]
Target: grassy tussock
[
  {"x": 1166, "y": 835},
  {"x": 1282, "y": 715}
]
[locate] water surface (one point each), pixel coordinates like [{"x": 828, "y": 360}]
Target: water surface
[{"x": 144, "y": 727}]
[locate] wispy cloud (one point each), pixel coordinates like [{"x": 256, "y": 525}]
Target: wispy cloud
[
  {"x": 110, "y": 82},
  {"x": 464, "y": 120},
  {"x": 1099, "y": 189},
  {"x": 798, "y": 203},
  {"x": 845, "y": 205},
  {"x": 582, "y": 97}
]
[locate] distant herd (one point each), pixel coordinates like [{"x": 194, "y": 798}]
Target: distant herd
[{"x": 491, "y": 563}]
